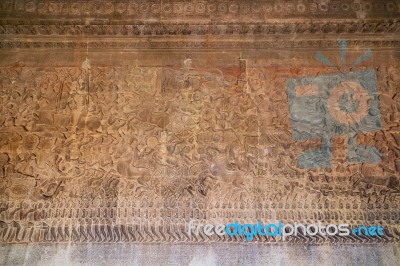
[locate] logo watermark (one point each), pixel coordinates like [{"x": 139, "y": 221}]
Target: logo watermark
[
  {"x": 344, "y": 103},
  {"x": 250, "y": 231}
]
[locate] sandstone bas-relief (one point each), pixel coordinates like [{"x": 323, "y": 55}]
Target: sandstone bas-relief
[
  {"x": 102, "y": 151},
  {"x": 133, "y": 153}
]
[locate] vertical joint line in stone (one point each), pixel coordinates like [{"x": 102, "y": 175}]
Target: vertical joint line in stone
[
  {"x": 86, "y": 73},
  {"x": 242, "y": 81}
]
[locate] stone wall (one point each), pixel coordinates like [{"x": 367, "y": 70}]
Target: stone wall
[
  {"x": 123, "y": 120},
  {"x": 196, "y": 254}
]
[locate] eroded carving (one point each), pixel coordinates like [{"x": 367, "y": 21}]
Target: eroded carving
[{"x": 133, "y": 153}]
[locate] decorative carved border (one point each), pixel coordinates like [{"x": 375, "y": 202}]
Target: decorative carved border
[
  {"x": 227, "y": 29},
  {"x": 199, "y": 45},
  {"x": 201, "y": 9}
]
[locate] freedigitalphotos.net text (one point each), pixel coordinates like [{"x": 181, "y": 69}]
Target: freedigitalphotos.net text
[{"x": 280, "y": 229}]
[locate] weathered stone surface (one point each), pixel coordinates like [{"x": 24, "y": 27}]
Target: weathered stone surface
[
  {"x": 197, "y": 254},
  {"x": 121, "y": 146},
  {"x": 120, "y": 121}
]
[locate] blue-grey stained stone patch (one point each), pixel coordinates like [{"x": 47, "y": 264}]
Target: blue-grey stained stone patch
[{"x": 310, "y": 117}]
